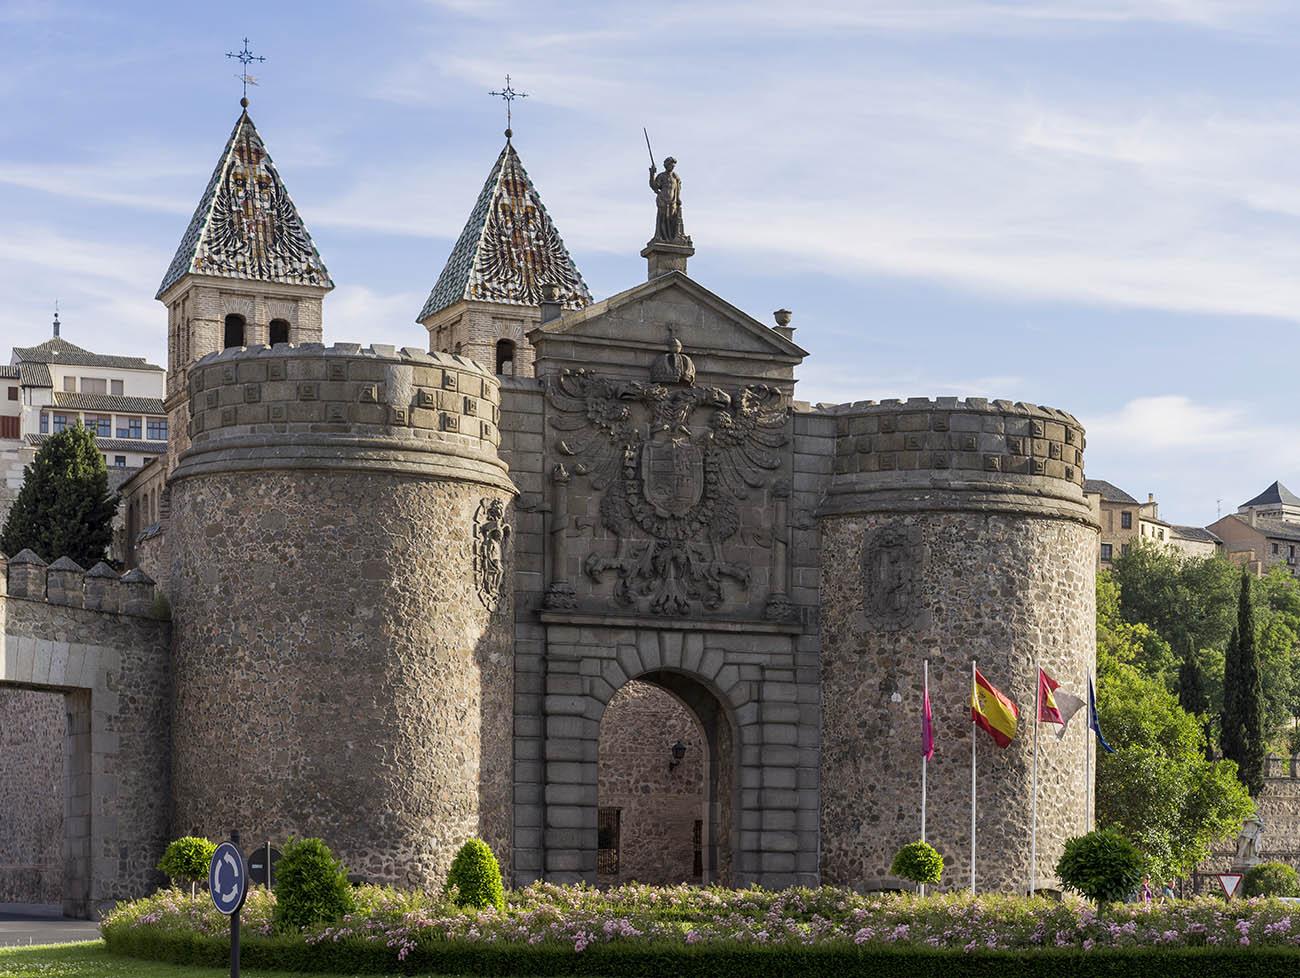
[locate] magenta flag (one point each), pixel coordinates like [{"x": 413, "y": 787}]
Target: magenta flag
[{"x": 927, "y": 727}]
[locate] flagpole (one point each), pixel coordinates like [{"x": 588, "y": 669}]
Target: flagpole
[
  {"x": 1087, "y": 765},
  {"x": 1033, "y": 804},
  {"x": 973, "y": 733},
  {"x": 925, "y": 759}
]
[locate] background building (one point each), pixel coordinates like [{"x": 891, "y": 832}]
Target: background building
[
  {"x": 56, "y": 384},
  {"x": 1264, "y": 532}
]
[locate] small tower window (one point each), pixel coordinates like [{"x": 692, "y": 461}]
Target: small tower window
[
  {"x": 234, "y": 330},
  {"x": 506, "y": 357},
  {"x": 279, "y": 331}
]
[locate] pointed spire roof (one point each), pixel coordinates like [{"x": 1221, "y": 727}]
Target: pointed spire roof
[
  {"x": 246, "y": 225},
  {"x": 1275, "y": 495},
  {"x": 509, "y": 248}
]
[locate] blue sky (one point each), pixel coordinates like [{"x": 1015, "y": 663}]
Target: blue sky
[{"x": 1091, "y": 204}]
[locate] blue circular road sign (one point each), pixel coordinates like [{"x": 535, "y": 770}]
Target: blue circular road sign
[{"x": 228, "y": 878}]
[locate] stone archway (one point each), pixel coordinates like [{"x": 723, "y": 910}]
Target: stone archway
[{"x": 661, "y": 818}]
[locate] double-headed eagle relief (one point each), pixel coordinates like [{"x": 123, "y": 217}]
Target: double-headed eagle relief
[
  {"x": 254, "y": 230},
  {"x": 673, "y": 459}
]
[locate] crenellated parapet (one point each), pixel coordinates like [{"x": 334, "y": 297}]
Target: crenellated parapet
[
  {"x": 343, "y": 407},
  {"x": 996, "y": 453},
  {"x": 66, "y": 583}
]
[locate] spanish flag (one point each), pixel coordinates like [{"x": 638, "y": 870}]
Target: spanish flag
[{"x": 993, "y": 710}]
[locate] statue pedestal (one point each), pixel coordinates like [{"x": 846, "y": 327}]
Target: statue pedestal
[{"x": 663, "y": 257}]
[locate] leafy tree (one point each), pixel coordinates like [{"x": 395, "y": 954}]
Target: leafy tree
[
  {"x": 1104, "y": 866},
  {"x": 1158, "y": 788},
  {"x": 1243, "y": 738},
  {"x": 919, "y": 862},
  {"x": 63, "y": 507},
  {"x": 475, "y": 877},
  {"x": 186, "y": 860},
  {"x": 311, "y": 886}
]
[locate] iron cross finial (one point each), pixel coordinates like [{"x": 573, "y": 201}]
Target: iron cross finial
[
  {"x": 245, "y": 58},
  {"x": 509, "y": 94}
]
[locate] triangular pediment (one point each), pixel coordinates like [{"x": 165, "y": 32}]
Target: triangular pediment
[
  {"x": 644, "y": 315},
  {"x": 246, "y": 225},
  {"x": 509, "y": 248}
]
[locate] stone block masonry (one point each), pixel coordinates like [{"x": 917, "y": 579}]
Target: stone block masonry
[
  {"x": 332, "y": 592},
  {"x": 84, "y": 673}
]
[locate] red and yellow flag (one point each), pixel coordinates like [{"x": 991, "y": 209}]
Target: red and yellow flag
[{"x": 993, "y": 710}]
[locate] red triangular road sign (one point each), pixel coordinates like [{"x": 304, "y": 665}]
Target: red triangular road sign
[{"x": 1229, "y": 882}]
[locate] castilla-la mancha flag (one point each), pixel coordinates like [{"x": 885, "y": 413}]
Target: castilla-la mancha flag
[{"x": 993, "y": 710}]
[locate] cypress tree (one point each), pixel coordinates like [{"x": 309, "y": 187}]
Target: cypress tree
[
  {"x": 1242, "y": 738},
  {"x": 63, "y": 508}
]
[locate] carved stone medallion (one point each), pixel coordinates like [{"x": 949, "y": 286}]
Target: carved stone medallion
[
  {"x": 891, "y": 560},
  {"x": 491, "y": 537}
]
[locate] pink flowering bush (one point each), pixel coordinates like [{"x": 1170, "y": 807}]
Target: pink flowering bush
[{"x": 573, "y": 919}]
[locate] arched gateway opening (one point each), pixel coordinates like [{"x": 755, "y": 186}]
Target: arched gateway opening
[{"x": 664, "y": 784}]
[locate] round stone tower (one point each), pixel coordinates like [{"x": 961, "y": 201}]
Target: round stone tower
[
  {"x": 953, "y": 530},
  {"x": 343, "y": 609}
]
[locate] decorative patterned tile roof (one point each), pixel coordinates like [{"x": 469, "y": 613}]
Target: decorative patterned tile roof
[
  {"x": 9, "y": 372},
  {"x": 58, "y": 350},
  {"x": 116, "y": 403},
  {"x": 509, "y": 248},
  {"x": 246, "y": 225}
]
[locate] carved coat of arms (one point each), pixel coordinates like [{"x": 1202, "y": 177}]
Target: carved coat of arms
[
  {"x": 491, "y": 537},
  {"x": 889, "y": 566},
  {"x": 673, "y": 459}
]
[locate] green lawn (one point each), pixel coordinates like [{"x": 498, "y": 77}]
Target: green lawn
[{"x": 91, "y": 960}]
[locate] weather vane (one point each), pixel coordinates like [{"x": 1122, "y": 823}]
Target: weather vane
[
  {"x": 245, "y": 58},
  {"x": 509, "y": 94}
]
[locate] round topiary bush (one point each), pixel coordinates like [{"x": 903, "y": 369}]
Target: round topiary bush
[
  {"x": 311, "y": 886},
  {"x": 919, "y": 862},
  {"x": 1271, "y": 880},
  {"x": 1102, "y": 865},
  {"x": 475, "y": 877},
  {"x": 186, "y": 860}
]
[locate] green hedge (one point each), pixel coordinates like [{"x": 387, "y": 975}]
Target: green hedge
[{"x": 639, "y": 960}]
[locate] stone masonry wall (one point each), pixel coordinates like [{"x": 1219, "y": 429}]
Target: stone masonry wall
[
  {"x": 92, "y": 639},
  {"x": 1008, "y": 591},
  {"x": 31, "y": 796},
  {"x": 952, "y": 530},
  {"x": 330, "y": 607},
  {"x": 658, "y": 804}
]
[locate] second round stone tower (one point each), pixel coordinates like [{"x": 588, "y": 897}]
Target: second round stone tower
[
  {"x": 953, "y": 530},
  {"x": 343, "y": 609}
]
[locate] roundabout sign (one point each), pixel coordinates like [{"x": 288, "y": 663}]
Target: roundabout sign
[
  {"x": 228, "y": 887},
  {"x": 228, "y": 878}
]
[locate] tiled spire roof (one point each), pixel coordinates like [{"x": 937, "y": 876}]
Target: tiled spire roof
[
  {"x": 246, "y": 225},
  {"x": 509, "y": 248}
]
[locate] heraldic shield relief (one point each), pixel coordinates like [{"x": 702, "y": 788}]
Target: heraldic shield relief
[{"x": 672, "y": 460}]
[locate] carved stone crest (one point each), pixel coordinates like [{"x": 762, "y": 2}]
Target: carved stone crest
[
  {"x": 891, "y": 558},
  {"x": 672, "y": 460},
  {"x": 491, "y": 537}
]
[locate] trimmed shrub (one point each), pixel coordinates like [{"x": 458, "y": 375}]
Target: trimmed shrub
[
  {"x": 1102, "y": 866},
  {"x": 475, "y": 877},
  {"x": 1271, "y": 880},
  {"x": 919, "y": 862},
  {"x": 186, "y": 860},
  {"x": 311, "y": 886}
]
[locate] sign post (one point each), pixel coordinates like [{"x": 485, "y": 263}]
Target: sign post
[{"x": 228, "y": 887}]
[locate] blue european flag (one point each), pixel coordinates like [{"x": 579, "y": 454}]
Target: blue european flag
[{"x": 1093, "y": 722}]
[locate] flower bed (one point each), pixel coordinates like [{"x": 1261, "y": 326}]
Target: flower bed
[{"x": 550, "y": 930}]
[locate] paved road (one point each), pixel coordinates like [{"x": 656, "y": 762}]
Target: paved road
[{"x": 31, "y": 924}]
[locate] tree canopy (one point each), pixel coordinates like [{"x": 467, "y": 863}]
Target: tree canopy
[
  {"x": 1243, "y": 697},
  {"x": 1157, "y": 788},
  {"x": 63, "y": 508}
]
